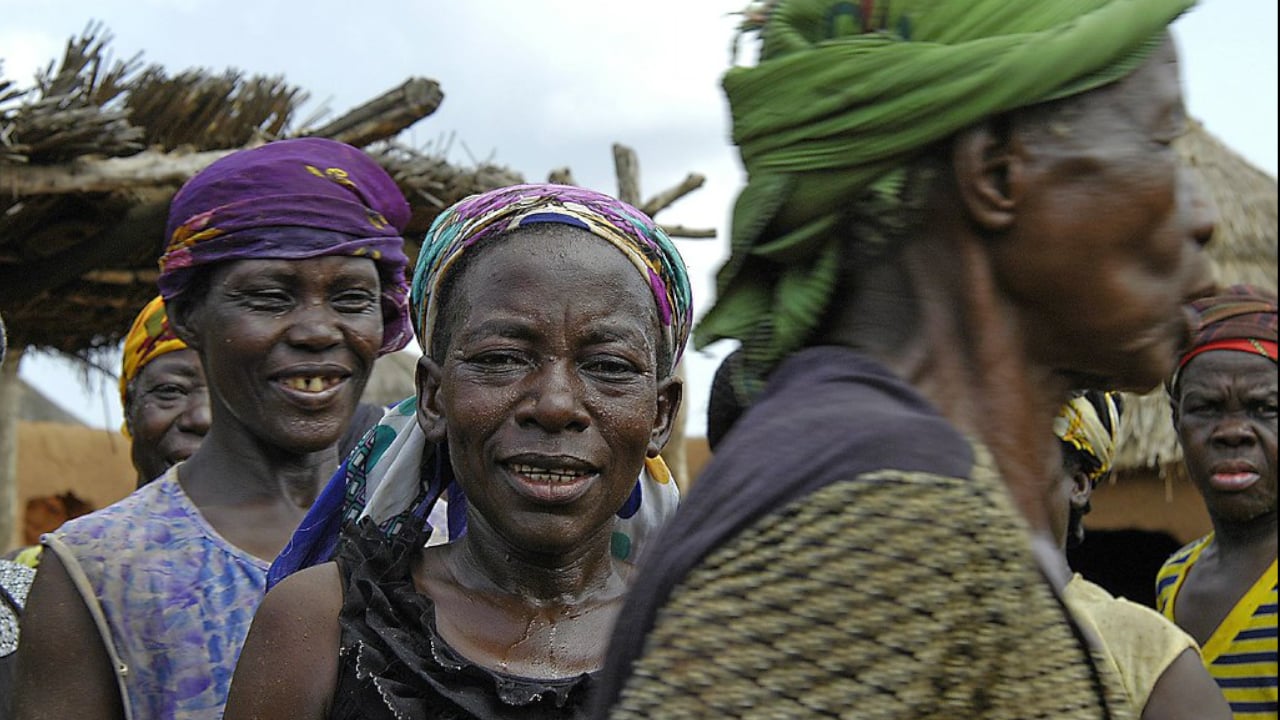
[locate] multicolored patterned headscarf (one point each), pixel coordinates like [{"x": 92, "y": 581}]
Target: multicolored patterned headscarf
[
  {"x": 462, "y": 226},
  {"x": 292, "y": 200},
  {"x": 1089, "y": 425},
  {"x": 395, "y": 478},
  {"x": 149, "y": 337},
  {"x": 1241, "y": 318},
  {"x": 846, "y": 94}
]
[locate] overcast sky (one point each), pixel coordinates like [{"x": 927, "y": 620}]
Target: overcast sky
[{"x": 541, "y": 84}]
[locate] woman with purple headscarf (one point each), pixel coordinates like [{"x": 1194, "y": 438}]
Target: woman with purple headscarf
[
  {"x": 284, "y": 269},
  {"x": 550, "y": 319}
]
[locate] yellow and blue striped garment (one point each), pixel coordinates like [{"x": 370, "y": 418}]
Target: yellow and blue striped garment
[{"x": 1241, "y": 653}]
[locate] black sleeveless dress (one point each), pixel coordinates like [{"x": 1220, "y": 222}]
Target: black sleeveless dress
[{"x": 393, "y": 663}]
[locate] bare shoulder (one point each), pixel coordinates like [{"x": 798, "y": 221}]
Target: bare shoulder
[
  {"x": 289, "y": 665},
  {"x": 315, "y": 592},
  {"x": 63, "y": 666},
  {"x": 1185, "y": 691}
]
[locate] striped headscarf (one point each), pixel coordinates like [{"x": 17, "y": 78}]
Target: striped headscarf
[
  {"x": 1241, "y": 318},
  {"x": 149, "y": 337},
  {"x": 846, "y": 95},
  {"x": 292, "y": 200},
  {"x": 466, "y": 223},
  {"x": 1089, "y": 426}
]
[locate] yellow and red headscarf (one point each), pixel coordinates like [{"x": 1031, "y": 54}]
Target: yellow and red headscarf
[{"x": 149, "y": 337}]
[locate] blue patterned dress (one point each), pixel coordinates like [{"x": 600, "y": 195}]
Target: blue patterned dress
[{"x": 172, "y": 599}]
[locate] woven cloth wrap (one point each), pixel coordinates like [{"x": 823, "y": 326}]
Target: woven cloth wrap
[
  {"x": 847, "y": 93},
  {"x": 292, "y": 200},
  {"x": 1241, "y": 318},
  {"x": 632, "y": 232},
  {"x": 1090, "y": 424}
]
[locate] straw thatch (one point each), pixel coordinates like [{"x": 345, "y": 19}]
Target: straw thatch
[
  {"x": 91, "y": 155},
  {"x": 1243, "y": 250}
]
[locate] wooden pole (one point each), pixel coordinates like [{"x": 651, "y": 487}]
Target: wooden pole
[
  {"x": 664, "y": 199},
  {"x": 561, "y": 176},
  {"x": 10, "y": 404},
  {"x": 386, "y": 115},
  {"x": 627, "y": 167},
  {"x": 149, "y": 168}
]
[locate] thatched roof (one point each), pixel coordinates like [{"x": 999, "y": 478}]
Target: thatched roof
[
  {"x": 91, "y": 155},
  {"x": 1243, "y": 250}
]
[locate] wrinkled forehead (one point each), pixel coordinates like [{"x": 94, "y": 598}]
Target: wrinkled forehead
[{"x": 1218, "y": 368}]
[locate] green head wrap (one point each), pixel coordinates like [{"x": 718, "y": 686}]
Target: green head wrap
[{"x": 846, "y": 94}]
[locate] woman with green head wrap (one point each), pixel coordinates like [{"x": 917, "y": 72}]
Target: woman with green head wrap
[{"x": 956, "y": 211}]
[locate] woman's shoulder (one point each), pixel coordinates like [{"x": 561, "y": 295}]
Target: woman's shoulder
[{"x": 307, "y": 596}]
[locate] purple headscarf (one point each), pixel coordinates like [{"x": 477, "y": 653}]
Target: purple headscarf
[{"x": 292, "y": 200}]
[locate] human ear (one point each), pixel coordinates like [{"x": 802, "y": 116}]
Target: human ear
[
  {"x": 988, "y": 166},
  {"x": 430, "y": 418},
  {"x": 1081, "y": 490},
  {"x": 670, "y": 393}
]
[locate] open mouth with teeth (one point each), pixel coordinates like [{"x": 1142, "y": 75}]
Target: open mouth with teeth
[
  {"x": 551, "y": 484},
  {"x": 311, "y": 384},
  {"x": 541, "y": 474}
]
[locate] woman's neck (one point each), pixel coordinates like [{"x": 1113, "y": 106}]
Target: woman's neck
[
  {"x": 1251, "y": 543},
  {"x": 233, "y": 469},
  {"x": 485, "y": 561},
  {"x": 956, "y": 341}
]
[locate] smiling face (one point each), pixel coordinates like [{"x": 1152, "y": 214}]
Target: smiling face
[
  {"x": 1225, "y": 414},
  {"x": 1107, "y": 248},
  {"x": 167, "y": 412},
  {"x": 548, "y": 389},
  {"x": 287, "y": 346}
]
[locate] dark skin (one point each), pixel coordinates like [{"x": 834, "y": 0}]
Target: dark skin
[
  {"x": 167, "y": 413},
  {"x": 551, "y": 360},
  {"x": 1225, "y": 414},
  {"x": 1185, "y": 690},
  {"x": 264, "y": 330},
  {"x": 1005, "y": 276}
]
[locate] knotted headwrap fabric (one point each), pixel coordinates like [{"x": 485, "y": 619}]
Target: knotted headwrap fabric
[
  {"x": 1240, "y": 318},
  {"x": 292, "y": 200},
  {"x": 846, "y": 94},
  {"x": 1089, "y": 424},
  {"x": 149, "y": 337},
  {"x": 473, "y": 219}
]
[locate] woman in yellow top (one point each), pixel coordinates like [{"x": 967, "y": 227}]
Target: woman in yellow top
[{"x": 1157, "y": 663}]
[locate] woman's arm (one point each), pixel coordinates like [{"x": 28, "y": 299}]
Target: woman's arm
[
  {"x": 64, "y": 670},
  {"x": 1185, "y": 691},
  {"x": 289, "y": 665}
]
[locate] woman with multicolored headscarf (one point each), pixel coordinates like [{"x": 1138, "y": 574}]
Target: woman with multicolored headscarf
[
  {"x": 956, "y": 211},
  {"x": 1221, "y": 588},
  {"x": 284, "y": 270},
  {"x": 551, "y": 319},
  {"x": 1157, "y": 663},
  {"x": 162, "y": 393}
]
